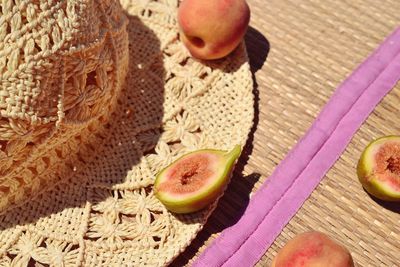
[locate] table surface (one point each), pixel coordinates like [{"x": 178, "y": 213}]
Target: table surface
[{"x": 299, "y": 52}]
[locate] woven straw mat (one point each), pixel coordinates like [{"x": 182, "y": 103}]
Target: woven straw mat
[
  {"x": 300, "y": 51},
  {"x": 79, "y": 151}
]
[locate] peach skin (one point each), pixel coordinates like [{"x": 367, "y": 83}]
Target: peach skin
[
  {"x": 313, "y": 249},
  {"x": 211, "y": 29}
]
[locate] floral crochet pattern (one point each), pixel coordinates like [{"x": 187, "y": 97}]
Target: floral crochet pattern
[
  {"x": 94, "y": 205},
  {"x": 58, "y": 77}
]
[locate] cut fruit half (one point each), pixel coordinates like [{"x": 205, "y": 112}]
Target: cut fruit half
[
  {"x": 195, "y": 180},
  {"x": 379, "y": 168}
]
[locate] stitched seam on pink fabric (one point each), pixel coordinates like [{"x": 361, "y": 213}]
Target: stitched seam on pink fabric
[
  {"x": 393, "y": 62},
  {"x": 285, "y": 192},
  {"x": 319, "y": 149},
  {"x": 325, "y": 139},
  {"x": 294, "y": 180}
]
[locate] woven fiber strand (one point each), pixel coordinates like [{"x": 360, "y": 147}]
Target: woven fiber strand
[
  {"x": 313, "y": 47},
  {"x": 61, "y": 69},
  {"x": 99, "y": 208}
]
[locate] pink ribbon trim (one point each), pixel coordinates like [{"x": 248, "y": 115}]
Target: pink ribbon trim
[{"x": 294, "y": 179}]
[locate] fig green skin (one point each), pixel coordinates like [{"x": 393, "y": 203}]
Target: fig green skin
[
  {"x": 371, "y": 183},
  {"x": 201, "y": 200}
]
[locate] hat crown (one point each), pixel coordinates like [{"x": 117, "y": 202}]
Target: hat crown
[{"x": 61, "y": 65}]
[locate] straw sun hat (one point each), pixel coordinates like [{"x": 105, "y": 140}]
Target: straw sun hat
[{"x": 95, "y": 98}]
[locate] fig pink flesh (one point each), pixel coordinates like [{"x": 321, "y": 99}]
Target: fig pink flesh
[
  {"x": 189, "y": 175},
  {"x": 387, "y": 160}
]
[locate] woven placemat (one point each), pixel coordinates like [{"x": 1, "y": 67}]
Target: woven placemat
[{"x": 299, "y": 53}]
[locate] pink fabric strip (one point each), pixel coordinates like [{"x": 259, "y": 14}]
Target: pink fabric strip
[{"x": 294, "y": 179}]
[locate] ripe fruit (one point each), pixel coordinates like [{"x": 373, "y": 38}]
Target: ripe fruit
[
  {"x": 195, "y": 180},
  {"x": 313, "y": 249},
  {"x": 379, "y": 168},
  {"x": 212, "y": 29}
]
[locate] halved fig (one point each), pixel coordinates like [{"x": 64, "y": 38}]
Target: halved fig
[
  {"x": 195, "y": 180},
  {"x": 379, "y": 168}
]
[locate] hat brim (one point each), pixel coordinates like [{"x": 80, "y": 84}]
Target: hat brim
[{"x": 103, "y": 211}]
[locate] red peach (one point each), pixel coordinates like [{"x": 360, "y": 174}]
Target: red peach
[
  {"x": 313, "y": 249},
  {"x": 212, "y": 29}
]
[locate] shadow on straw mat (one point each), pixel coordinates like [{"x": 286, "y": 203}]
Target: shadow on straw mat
[
  {"x": 236, "y": 198},
  {"x": 257, "y": 48},
  {"x": 392, "y": 206},
  {"x": 229, "y": 210}
]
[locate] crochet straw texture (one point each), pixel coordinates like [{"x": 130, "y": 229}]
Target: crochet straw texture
[
  {"x": 62, "y": 64},
  {"x": 80, "y": 148}
]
